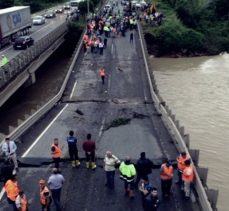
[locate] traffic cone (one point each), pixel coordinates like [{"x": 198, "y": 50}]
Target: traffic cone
[
  {"x": 93, "y": 165},
  {"x": 87, "y": 165},
  {"x": 77, "y": 162}
]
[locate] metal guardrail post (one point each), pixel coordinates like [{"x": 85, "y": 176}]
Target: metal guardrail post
[
  {"x": 203, "y": 174},
  {"x": 213, "y": 196}
]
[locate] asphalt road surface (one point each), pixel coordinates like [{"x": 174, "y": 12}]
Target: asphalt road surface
[
  {"x": 36, "y": 32},
  {"x": 90, "y": 107}
]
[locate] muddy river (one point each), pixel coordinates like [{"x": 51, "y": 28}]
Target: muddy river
[{"x": 197, "y": 91}]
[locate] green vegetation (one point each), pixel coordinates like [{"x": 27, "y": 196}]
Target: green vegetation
[
  {"x": 190, "y": 27},
  {"x": 92, "y": 6},
  {"x": 73, "y": 35}
]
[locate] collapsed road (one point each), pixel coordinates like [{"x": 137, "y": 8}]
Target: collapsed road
[{"x": 121, "y": 117}]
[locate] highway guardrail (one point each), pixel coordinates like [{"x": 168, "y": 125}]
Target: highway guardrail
[{"x": 176, "y": 132}]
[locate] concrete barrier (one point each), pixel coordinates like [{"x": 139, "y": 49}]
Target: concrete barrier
[
  {"x": 177, "y": 133},
  {"x": 23, "y": 67},
  {"x": 44, "y": 109},
  {"x": 18, "y": 64}
]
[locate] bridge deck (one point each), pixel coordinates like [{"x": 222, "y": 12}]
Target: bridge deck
[{"x": 124, "y": 95}]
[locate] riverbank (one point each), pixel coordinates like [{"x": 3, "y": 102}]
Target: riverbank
[{"x": 188, "y": 29}]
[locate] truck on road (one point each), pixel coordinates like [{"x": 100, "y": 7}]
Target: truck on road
[{"x": 13, "y": 20}]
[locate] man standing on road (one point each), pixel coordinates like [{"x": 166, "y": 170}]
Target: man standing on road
[
  {"x": 56, "y": 152},
  {"x": 89, "y": 149},
  {"x": 102, "y": 74},
  {"x": 187, "y": 178},
  {"x": 166, "y": 174},
  {"x": 21, "y": 202},
  {"x": 72, "y": 149},
  {"x": 45, "y": 196},
  {"x": 110, "y": 162},
  {"x": 144, "y": 167},
  {"x": 9, "y": 148},
  {"x": 55, "y": 182},
  {"x": 127, "y": 174},
  {"x": 150, "y": 201},
  {"x": 12, "y": 190},
  {"x": 101, "y": 47},
  {"x": 181, "y": 165}
]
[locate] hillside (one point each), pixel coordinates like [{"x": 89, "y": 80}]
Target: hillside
[{"x": 189, "y": 28}]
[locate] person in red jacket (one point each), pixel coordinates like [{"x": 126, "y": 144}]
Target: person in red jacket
[{"x": 89, "y": 148}]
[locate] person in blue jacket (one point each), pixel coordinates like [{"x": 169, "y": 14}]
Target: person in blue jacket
[{"x": 72, "y": 149}]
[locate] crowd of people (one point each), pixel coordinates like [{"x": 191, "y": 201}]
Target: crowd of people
[
  {"x": 134, "y": 175},
  {"x": 104, "y": 26}
]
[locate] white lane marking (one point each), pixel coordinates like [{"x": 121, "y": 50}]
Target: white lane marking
[
  {"x": 39, "y": 137},
  {"x": 2, "y": 193},
  {"x": 46, "y": 25},
  {"x": 2, "y": 52},
  {"x": 112, "y": 47},
  {"x": 73, "y": 89},
  {"x": 101, "y": 128}
]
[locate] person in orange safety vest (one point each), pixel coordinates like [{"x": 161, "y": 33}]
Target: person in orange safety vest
[
  {"x": 166, "y": 174},
  {"x": 181, "y": 165},
  {"x": 45, "y": 196},
  {"x": 187, "y": 177},
  {"x": 102, "y": 73},
  {"x": 85, "y": 42},
  {"x": 12, "y": 190},
  {"x": 21, "y": 202},
  {"x": 56, "y": 152}
]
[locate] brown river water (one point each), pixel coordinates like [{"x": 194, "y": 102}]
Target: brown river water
[{"x": 197, "y": 91}]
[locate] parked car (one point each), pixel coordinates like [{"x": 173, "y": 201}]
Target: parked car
[
  {"x": 50, "y": 14},
  {"x": 23, "y": 42},
  {"x": 38, "y": 20}
]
